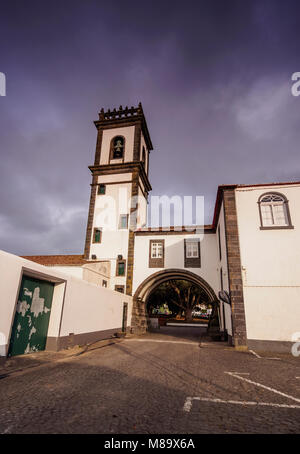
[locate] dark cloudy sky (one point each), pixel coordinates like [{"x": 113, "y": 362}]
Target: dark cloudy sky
[{"x": 214, "y": 78}]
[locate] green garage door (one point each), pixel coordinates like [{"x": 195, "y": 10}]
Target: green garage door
[{"x": 30, "y": 328}]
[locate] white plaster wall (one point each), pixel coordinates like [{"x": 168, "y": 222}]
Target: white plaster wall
[
  {"x": 97, "y": 272},
  {"x": 56, "y": 309},
  {"x": 10, "y": 272},
  {"x": 142, "y": 210},
  {"x": 108, "y": 134},
  {"x": 272, "y": 313},
  {"x": 270, "y": 267},
  {"x": 116, "y": 177},
  {"x": 143, "y": 144},
  {"x": 223, "y": 264},
  {"x": 75, "y": 271},
  {"x": 174, "y": 257},
  {"x": 90, "y": 308},
  {"x": 87, "y": 307},
  {"x": 114, "y": 242},
  {"x": 223, "y": 261}
]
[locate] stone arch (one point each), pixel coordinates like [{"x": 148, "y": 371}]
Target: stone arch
[{"x": 139, "y": 318}]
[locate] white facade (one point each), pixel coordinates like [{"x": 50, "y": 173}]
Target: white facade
[
  {"x": 222, "y": 270},
  {"x": 174, "y": 257},
  {"x": 80, "y": 309},
  {"x": 270, "y": 266}
]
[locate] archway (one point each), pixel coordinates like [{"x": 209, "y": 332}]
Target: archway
[{"x": 139, "y": 313}]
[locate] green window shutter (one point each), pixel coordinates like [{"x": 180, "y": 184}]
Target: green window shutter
[
  {"x": 97, "y": 236},
  {"x": 121, "y": 269},
  {"x": 123, "y": 221},
  {"x": 101, "y": 189}
]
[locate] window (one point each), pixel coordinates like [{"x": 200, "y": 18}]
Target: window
[
  {"x": 219, "y": 239},
  {"x": 117, "y": 148},
  {"x": 101, "y": 189},
  {"x": 274, "y": 211},
  {"x": 221, "y": 279},
  {"x": 192, "y": 253},
  {"x": 119, "y": 288},
  {"x": 123, "y": 224},
  {"x": 121, "y": 266},
  {"x": 191, "y": 250},
  {"x": 156, "y": 253},
  {"x": 144, "y": 156},
  {"x": 97, "y": 235},
  {"x": 156, "y": 250}
]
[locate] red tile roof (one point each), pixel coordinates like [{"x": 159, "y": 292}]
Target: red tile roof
[{"x": 52, "y": 260}]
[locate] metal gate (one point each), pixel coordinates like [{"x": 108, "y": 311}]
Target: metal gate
[{"x": 30, "y": 327}]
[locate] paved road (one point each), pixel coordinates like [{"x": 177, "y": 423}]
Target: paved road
[{"x": 158, "y": 383}]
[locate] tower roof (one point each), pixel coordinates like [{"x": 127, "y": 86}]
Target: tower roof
[{"x": 124, "y": 117}]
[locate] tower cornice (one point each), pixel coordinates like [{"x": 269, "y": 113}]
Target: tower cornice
[{"x": 110, "y": 169}]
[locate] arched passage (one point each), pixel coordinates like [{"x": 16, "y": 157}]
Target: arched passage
[{"x": 139, "y": 317}]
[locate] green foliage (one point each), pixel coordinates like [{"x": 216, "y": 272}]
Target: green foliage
[{"x": 180, "y": 295}]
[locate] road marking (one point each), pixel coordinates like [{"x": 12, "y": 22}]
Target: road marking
[
  {"x": 241, "y": 373},
  {"x": 274, "y": 358},
  {"x": 189, "y": 402},
  {"x": 260, "y": 357},
  {"x": 254, "y": 353},
  {"x": 163, "y": 341},
  {"x": 263, "y": 386}
]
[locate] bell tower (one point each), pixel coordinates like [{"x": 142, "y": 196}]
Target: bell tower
[{"x": 119, "y": 191}]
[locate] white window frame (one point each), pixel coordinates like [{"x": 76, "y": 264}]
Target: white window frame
[
  {"x": 157, "y": 248},
  {"x": 271, "y": 201},
  {"x": 192, "y": 250},
  {"x": 123, "y": 216}
]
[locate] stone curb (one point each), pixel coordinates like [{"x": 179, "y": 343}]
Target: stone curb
[{"x": 55, "y": 357}]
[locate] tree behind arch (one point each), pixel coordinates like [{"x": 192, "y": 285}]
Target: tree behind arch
[{"x": 181, "y": 295}]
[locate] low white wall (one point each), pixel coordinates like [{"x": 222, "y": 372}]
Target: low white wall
[
  {"x": 89, "y": 308},
  {"x": 86, "y": 307}
]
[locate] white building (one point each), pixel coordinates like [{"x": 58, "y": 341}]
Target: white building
[
  {"x": 49, "y": 307},
  {"x": 251, "y": 249}
]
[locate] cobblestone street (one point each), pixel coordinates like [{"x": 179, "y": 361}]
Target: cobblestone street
[{"x": 162, "y": 382}]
